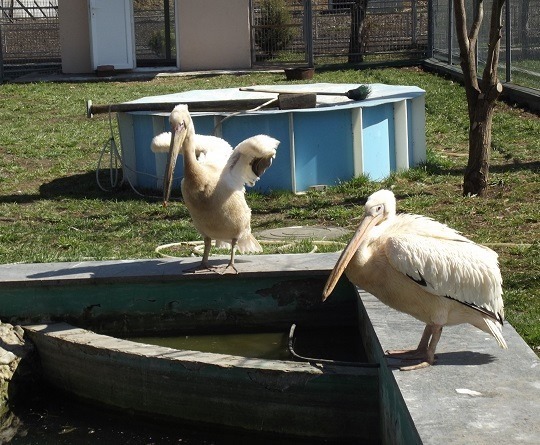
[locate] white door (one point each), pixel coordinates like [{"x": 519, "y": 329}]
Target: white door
[{"x": 112, "y": 38}]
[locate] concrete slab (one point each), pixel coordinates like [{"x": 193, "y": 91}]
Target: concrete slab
[
  {"x": 138, "y": 74},
  {"x": 302, "y": 232},
  {"x": 476, "y": 393},
  {"x": 166, "y": 268}
]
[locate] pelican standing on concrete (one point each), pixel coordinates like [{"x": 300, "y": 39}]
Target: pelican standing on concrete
[
  {"x": 424, "y": 268},
  {"x": 213, "y": 190}
]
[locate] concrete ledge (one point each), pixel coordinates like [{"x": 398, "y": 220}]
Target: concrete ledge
[
  {"x": 164, "y": 269},
  {"x": 476, "y": 393}
]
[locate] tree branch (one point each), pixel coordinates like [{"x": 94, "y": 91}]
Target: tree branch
[
  {"x": 467, "y": 54},
  {"x": 489, "y": 76},
  {"x": 461, "y": 25},
  {"x": 478, "y": 17}
]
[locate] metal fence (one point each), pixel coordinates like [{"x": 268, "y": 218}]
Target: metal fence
[
  {"x": 520, "y": 45},
  {"x": 295, "y": 32},
  {"x": 391, "y": 30},
  {"x": 29, "y": 37},
  {"x": 154, "y": 33},
  {"x": 338, "y": 31}
]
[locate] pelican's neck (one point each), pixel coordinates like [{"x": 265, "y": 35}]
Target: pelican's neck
[
  {"x": 188, "y": 148},
  {"x": 376, "y": 234}
]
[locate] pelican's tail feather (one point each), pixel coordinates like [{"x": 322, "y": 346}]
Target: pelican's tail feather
[
  {"x": 248, "y": 244},
  {"x": 223, "y": 244},
  {"x": 495, "y": 328}
]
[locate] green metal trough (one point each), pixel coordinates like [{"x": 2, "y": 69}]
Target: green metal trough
[{"x": 79, "y": 315}]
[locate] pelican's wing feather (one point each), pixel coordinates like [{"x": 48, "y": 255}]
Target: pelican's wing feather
[
  {"x": 453, "y": 268},
  {"x": 207, "y": 148},
  {"x": 250, "y": 159},
  {"x": 211, "y": 149},
  {"x": 161, "y": 143}
]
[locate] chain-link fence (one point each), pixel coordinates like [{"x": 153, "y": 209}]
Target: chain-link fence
[
  {"x": 338, "y": 31},
  {"x": 295, "y": 32},
  {"x": 520, "y": 44},
  {"x": 29, "y": 37},
  {"x": 154, "y": 32},
  {"x": 369, "y": 31}
]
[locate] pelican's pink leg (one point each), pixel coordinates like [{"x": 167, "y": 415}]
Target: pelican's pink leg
[
  {"x": 204, "y": 263},
  {"x": 424, "y": 353},
  {"x": 231, "y": 262}
]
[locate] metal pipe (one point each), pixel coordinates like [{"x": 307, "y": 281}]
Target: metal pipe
[
  {"x": 431, "y": 30},
  {"x": 166, "y": 107},
  {"x": 1, "y": 57}
]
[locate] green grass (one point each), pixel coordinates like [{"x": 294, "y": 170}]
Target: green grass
[{"x": 52, "y": 210}]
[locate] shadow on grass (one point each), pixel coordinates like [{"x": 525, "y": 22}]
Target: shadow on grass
[
  {"x": 515, "y": 167},
  {"x": 83, "y": 186}
]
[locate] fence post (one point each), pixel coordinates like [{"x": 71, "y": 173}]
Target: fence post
[
  {"x": 413, "y": 21},
  {"x": 508, "y": 43},
  {"x": 167, "y": 30},
  {"x": 1, "y": 58},
  {"x": 450, "y": 30},
  {"x": 431, "y": 30},
  {"x": 308, "y": 32}
]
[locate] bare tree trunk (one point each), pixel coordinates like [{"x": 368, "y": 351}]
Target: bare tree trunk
[
  {"x": 481, "y": 96},
  {"x": 475, "y": 181},
  {"x": 358, "y": 16}
]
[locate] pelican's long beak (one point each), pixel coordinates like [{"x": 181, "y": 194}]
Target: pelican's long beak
[
  {"x": 365, "y": 226},
  {"x": 178, "y": 133}
]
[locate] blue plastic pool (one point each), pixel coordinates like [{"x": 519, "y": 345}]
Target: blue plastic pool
[{"x": 336, "y": 141}]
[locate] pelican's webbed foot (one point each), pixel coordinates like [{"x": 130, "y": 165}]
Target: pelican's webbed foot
[
  {"x": 402, "y": 359},
  {"x": 201, "y": 268},
  {"x": 228, "y": 269}
]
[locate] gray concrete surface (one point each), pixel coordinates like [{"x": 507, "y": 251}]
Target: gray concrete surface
[
  {"x": 137, "y": 74},
  {"x": 302, "y": 232},
  {"x": 30, "y": 274},
  {"x": 476, "y": 393}
]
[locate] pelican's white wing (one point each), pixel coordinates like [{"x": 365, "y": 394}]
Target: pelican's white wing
[
  {"x": 161, "y": 143},
  {"x": 208, "y": 149},
  {"x": 250, "y": 159},
  {"x": 211, "y": 149},
  {"x": 449, "y": 266}
]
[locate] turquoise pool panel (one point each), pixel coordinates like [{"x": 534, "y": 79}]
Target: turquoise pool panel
[
  {"x": 322, "y": 143},
  {"x": 145, "y": 159},
  {"x": 278, "y": 176},
  {"x": 378, "y": 136}
]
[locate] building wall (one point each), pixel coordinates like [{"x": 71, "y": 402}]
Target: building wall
[
  {"x": 213, "y": 34},
  {"x": 74, "y": 36}
]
